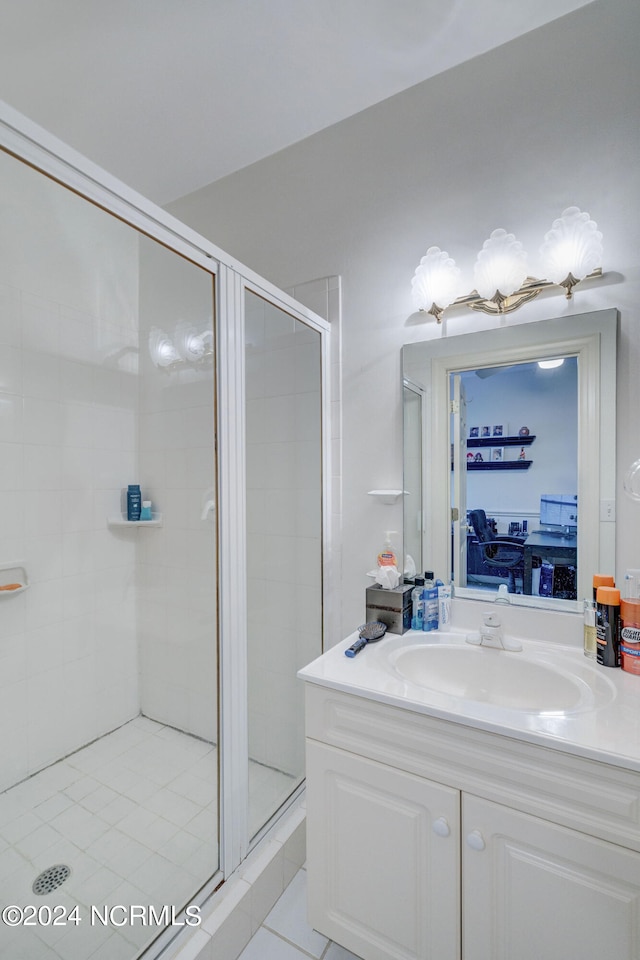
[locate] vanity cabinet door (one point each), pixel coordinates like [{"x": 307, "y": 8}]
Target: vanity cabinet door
[
  {"x": 534, "y": 890},
  {"x": 384, "y": 858}
]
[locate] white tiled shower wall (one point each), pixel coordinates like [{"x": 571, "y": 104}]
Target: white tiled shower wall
[
  {"x": 115, "y": 620},
  {"x": 68, "y": 434}
]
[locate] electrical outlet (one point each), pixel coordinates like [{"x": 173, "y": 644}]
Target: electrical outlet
[{"x": 607, "y": 510}]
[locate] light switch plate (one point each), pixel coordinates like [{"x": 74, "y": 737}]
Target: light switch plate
[{"x": 607, "y": 510}]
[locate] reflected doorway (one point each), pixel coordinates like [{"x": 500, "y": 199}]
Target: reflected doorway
[{"x": 516, "y": 461}]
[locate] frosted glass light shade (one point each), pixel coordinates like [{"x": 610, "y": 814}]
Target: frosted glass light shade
[
  {"x": 632, "y": 481},
  {"x": 161, "y": 348},
  {"x": 573, "y": 246},
  {"x": 435, "y": 281},
  {"x": 189, "y": 343},
  {"x": 501, "y": 265}
]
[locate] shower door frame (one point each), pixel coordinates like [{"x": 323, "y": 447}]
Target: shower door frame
[
  {"x": 232, "y": 286},
  {"x": 28, "y": 142}
]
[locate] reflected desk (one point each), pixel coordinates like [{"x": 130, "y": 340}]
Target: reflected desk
[{"x": 548, "y": 547}]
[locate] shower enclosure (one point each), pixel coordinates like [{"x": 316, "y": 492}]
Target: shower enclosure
[{"x": 152, "y": 722}]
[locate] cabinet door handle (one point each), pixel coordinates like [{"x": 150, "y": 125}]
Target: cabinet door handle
[
  {"x": 475, "y": 840},
  {"x": 441, "y": 827}
]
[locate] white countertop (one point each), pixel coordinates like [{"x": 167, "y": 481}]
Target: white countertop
[{"x": 605, "y": 728}]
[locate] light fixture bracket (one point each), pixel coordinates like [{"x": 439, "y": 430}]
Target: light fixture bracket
[
  {"x": 436, "y": 312},
  {"x": 530, "y": 289}
]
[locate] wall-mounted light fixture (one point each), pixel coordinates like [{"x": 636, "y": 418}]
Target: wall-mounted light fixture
[{"x": 571, "y": 252}]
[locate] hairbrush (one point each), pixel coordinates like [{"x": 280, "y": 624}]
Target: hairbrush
[{"x": 367, "y": 633}]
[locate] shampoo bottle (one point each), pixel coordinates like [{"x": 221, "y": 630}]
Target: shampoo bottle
[
  {"x": 430, "y": 602},
  {"x": 608, "y": 626},
  {"x": 601, "y": 580},
  {"x": 134, "y": 501},
  {"x": 417, "y": 604}
]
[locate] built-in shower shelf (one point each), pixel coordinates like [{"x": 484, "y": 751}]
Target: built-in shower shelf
[
  {"x": 386, "y": 496},
  {"x": 121, "y": 521},
  {"x": 10, "y": 573}
]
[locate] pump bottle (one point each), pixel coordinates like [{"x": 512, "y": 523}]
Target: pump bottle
[{"x": 387, "y": 556}]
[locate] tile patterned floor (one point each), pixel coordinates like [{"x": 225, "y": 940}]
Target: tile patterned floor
[
  {"x": 286, "y": 934},
  {"x": 133, "y": 814}
]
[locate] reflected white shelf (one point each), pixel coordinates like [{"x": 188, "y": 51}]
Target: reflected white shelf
[
  {"x": 386, "y": 496},
  {"x": 14, "y": 571},
  {"x": 120, "y": 520}
]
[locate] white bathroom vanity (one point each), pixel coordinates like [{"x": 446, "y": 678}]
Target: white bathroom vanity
[{"x": 448, "y": 821}]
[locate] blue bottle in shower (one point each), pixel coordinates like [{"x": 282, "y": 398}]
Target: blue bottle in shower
[{"x": 134, "y": 501}]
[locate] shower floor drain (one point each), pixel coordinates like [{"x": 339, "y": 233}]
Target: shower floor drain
[{"x": 50, "y": 879}]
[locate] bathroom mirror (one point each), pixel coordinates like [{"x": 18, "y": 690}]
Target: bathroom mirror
[{"x": 581, "y": 544}]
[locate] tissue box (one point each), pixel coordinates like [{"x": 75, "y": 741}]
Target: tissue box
[{"x": 391, "y": 607}]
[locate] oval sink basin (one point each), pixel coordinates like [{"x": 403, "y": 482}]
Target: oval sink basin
[{"x": 485, "y": 675}]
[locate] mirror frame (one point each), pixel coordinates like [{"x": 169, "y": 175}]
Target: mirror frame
[
  {"x": 414, "y": 390},
  {"x": 592, "y": 338}
]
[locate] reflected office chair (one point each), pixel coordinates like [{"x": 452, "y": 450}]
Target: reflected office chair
[{"x": 504, "y": 552}]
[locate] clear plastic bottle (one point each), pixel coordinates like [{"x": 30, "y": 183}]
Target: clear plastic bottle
[
  {"x": 590, "y": 632},
  {"x": 444, "y": 605},
  {"x": 417, "y": 604},
  {"x": 631, "y": 585}
]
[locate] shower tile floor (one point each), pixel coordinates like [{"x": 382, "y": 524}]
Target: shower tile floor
[{"x": 134, "y": 815}]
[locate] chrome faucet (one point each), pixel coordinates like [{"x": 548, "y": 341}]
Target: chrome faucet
[
  {"x": 502, "y": 595},
  {"x": 491, "y": 634}
]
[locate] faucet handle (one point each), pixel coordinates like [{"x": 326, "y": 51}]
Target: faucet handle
[{"x": 491, "y": 619}]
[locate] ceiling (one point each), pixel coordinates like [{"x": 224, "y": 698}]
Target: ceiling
[{"x": 170, "y": 95}]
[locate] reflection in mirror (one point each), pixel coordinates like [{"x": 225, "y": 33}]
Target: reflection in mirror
[
  {"x": 518, "y": 478},
  {"x": 517, "y": 452}
]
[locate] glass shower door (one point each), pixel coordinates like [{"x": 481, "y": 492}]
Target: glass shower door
[
  {"x": 284, "y": 544},
  {"x": 109, "y": 660}
]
